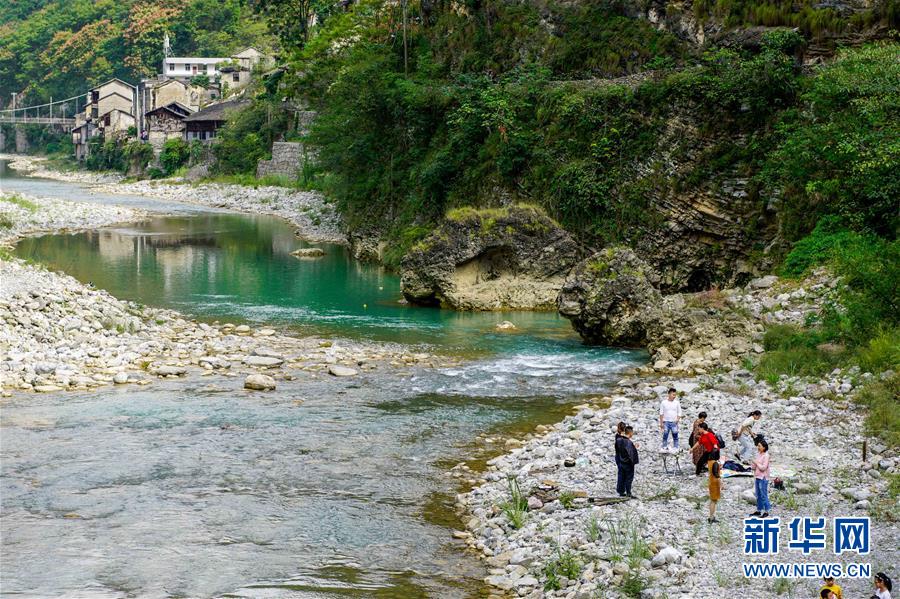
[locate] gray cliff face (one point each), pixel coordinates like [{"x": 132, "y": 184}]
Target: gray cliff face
[
  {"x": 495, "y": 259},
  {"x": 706, "y": 233}
]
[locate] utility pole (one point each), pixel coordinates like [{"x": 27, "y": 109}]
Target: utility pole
[{"x": 405, "y": 48}]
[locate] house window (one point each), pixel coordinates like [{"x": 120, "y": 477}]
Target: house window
[{"x": 235, "y": 76}]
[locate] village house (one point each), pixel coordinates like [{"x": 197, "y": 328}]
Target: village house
[
  {"x": 164, "y": 123},
  {"x": 185, "y": 68},
  {"x": 109, "y": 114},
  {"x": 162, "y": 93},
  {"x": 203, "y": 125}
]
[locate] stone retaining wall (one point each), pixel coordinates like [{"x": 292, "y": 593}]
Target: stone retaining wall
[{"x": 287, "y": 160}]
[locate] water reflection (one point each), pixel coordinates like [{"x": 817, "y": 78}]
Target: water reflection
[{"x": 221, "y": 265}]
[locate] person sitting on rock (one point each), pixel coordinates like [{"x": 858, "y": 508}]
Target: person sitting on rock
[
  {"x": 695, "y": 429},
  {"x": 669, "y": 415},
  {"x": 745, "y": 437},
  {"x": 708, "y": 442},
  {"x": 627, "y": 454},
  {"x": 715, "y": 484}
]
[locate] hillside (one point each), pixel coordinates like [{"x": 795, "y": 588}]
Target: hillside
[
  {"x": 622, "y": 129},
  {"x": 60, "y": 47}
]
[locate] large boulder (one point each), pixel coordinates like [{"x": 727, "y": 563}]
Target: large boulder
[
  {"x": 505, "y": 258},
  {"x": 610, "y": 298}
]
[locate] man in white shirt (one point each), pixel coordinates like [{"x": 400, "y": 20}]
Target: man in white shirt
[{"x": 669, "y": 415}]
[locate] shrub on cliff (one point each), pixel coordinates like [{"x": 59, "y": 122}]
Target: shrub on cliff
[{"x": 840, "y": 150}]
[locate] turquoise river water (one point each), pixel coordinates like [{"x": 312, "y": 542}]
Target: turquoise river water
[{"x": 184, "y": 489}]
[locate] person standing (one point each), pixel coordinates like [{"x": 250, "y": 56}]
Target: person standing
[
  {"x": 760, "y": 467},
  {"x": 715, "y": 485},
  {"x": 669, "y": 415},
  {"x": 708, "y": 443},
  {"x": 883, "y": 586},
  {"x": 745, "y": 437},
  {"x": 627, "y": 454},
  {"x": 620, "y": 472},
  {"x": 832, "y": 586}
]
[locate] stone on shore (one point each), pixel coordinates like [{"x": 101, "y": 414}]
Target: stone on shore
[
  {"x": 167, "y": 370},
  {"x": 338, "y": 370},
  {"x": 610, "y": 298},
  {"x": 259, "y": 382},
  {"x": 120, "y": 378},
  {"x": 263, "y": 361}
]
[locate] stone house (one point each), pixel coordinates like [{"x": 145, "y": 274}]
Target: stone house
[
  {"x": 109, "y": 114},
  {"x": 203, "y": 125},
  {"x": 166, "y": 122}
]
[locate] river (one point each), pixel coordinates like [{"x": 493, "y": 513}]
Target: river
[{"x": 325, "y": 488}]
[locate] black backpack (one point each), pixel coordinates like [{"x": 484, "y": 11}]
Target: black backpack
[{"x": 720, "y": 440}]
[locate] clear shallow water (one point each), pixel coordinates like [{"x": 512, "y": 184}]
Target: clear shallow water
[{"x": 326, "y": 488}]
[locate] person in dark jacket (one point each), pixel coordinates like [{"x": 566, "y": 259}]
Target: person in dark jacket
[
  {"x": 627, "y": 458},
  {"x": 620, "y": 476}
]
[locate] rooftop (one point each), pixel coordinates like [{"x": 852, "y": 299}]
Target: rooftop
[
  {"x": 194, "y": 59},
  {"x": 216, "y": 112}
]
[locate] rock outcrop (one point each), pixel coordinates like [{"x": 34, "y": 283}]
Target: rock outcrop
[
  {"x": 610, "y": 298},
  {"x": 507, "y": 258}
]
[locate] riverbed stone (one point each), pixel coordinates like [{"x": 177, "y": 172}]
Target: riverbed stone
[
  {"x": 263, "y": 361},
  {"x": 338, "y": 370},
  {"x": 259, "y": 382}
]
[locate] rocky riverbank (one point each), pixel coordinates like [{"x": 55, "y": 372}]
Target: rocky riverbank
[
  {"x": 316, "y": 220},
  {"x": 22, "y": 214},
  {"x": 36, "y": 166},
  {"x": 58, "y": 334},
  {"x": 612, "y": 299},
  {"x": 660, "y": 545}
]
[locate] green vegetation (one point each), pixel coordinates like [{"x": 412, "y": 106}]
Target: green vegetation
[
  {"x": 863, "y": 328},
  {"x": 567, "y": 499},
  {"x": 494, "y": 107},
  {"x": 517, "y": 506},
  {"x": 248, "y": 136},
  {"x": 19, "y": 201},
  {"x": 563, "y": 564},
  {"x": 175, "y": 154},
  {"x": 59, "y": 48},
  {"x": 883, "y": 419}
]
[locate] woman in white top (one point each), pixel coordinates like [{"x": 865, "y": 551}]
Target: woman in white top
[
  {"x": 746, "y": 438},
  {"x": 883, "y": 586}
]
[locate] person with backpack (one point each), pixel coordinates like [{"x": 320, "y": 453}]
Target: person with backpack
[
  {"x": 708, "y": 442},
  {"x": 715, "y": 485},
  {"x": 760, "y": 467},
  {"x": 627, "y": 455}
]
